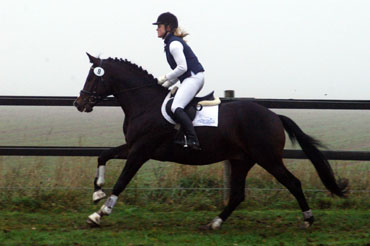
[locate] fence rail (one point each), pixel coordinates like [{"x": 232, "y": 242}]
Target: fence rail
[
  {"x": 95, "y": 151},
  {"x": 270, "y": 103},
  {"x": 110, "y": 101}
]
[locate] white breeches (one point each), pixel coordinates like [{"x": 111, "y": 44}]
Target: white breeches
[{"x": 187, "y": 91}]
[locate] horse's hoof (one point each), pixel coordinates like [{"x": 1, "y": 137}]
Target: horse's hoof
[
  {"x": 94, "y": 219},
  {"x": 91, "y": 223},
  {"x": 214, "y": 225},
  {"x": 307, "y": 223},
  {"x": 98, "y": 195}
]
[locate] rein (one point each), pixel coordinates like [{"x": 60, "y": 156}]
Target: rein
[{"x": 134, "y": 88}]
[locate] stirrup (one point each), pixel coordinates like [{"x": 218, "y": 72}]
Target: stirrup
[
  {"x": 179, "y": 142},
  {"x": 191, "y": 144},
  {"x": 194, "y": 146}
]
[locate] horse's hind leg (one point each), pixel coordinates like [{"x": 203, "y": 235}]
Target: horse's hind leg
[
  {"x": 119, "y": 152},
  {"x": 286, "y": 178},
  {"x": 239, "y": 171}
]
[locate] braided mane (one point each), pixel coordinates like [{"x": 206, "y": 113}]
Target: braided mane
[{"x": 133, "y": 68}]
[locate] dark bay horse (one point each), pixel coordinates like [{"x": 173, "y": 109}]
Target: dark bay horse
[{"x": 247, "y": 134}]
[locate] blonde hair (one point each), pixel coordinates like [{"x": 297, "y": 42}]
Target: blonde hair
[{"x": 179, "y": 32}]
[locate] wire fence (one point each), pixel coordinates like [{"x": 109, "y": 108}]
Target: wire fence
[
  {"x": 168, "y": 189},
  {"x": 110, "y": 102}
]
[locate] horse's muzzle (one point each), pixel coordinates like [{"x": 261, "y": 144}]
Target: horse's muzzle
[{"x": 82, "y": 106}]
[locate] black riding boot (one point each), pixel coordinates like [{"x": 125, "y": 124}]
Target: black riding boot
[{"x": 191, "y": 139}]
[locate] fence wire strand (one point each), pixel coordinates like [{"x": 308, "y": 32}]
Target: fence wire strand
[{"x": 168, "y": 189}]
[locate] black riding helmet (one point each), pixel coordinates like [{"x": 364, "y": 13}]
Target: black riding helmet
[{"x": 167, "y": 19}]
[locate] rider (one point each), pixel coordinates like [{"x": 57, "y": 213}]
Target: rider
[{"x": 186, "y": 68}]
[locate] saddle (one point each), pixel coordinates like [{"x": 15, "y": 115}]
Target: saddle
[{"x": 195, "y": 105}]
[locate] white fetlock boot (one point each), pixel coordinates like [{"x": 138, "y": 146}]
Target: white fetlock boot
[
  {"x": 99, "y": 194},
  {"x": 105, "y": 210},
  {"x": 100, "y": 174}
]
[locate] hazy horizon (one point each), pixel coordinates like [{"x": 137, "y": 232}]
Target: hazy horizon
[{"x": 261, "y": 49}]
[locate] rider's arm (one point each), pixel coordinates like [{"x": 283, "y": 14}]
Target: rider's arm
[{"x": 177, "y": 51}]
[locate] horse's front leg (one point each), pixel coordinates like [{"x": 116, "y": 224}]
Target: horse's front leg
[
  {"x": 120, "y": 152},
  {"x": 133, "y": 164}
]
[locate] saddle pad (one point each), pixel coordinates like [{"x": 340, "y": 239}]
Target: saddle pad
[{"x": 206, "y": 116}]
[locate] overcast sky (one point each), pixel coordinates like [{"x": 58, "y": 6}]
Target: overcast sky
[{"x": 317, "y": 49}]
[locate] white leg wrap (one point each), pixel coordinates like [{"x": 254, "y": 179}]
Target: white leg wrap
[
  {"x": 98, "y": 195},
  {"x": 107, "y": 208},
  {"x": 100, "y": 175},
  {"x": 216, "y": 223},
  {"x": 307, "y": 214}
]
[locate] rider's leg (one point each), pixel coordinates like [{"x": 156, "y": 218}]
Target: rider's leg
[
  {"x": 187, "y": 91},
  {"x": 191, "y": 140}
]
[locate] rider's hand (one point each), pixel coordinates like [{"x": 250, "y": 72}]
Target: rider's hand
[
  {"x": 169, "y": 83},
  {"x": 162, "y": 79},
  {"x": 166, "y": 84}
]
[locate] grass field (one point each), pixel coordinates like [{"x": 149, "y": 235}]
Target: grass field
[
  {"x": 45, "y": 200},
  {"x": 137, "y": 226}
]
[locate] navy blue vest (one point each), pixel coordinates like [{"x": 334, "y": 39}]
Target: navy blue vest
[{"x": 191, "y": 59}]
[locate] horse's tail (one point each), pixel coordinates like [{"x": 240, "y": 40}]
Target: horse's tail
[{"x": 309, "y": 146}]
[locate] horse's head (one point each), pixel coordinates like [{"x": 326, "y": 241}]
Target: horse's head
[
  {"x": 97, "y": 86},
  {"x": 117, "y": 77}
]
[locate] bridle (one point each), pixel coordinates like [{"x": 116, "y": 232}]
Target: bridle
[{"x": 92, "y": 96}]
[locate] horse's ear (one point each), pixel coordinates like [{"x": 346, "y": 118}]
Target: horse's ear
[{"x": 92, "y": 59}]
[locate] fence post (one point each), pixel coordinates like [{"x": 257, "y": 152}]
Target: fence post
[{"x": 227, "y": 167}]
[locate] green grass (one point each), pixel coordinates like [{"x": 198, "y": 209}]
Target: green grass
[
  {"x": 167, "y": 200},
  {"x": 139, "y": 226},
  {"x": 45, "y": 200}
]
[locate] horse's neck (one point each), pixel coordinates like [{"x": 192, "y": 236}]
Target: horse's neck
[
  {"x": 142, "y": 100},
  {"x": 137, "y": 91}
]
